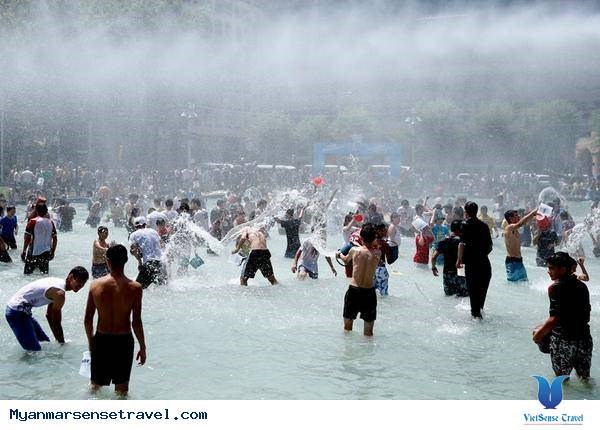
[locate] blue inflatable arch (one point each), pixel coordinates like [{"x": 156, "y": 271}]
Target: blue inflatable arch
[{"x": 391, "y": 152}]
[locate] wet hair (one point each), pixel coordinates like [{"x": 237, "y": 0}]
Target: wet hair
[
  {"x": 368, "y": 233},
  {"x": 372, "y": 207},
  {"x": 160, "y": 222},
  {"x": 80, "y": 273},
  {"x": 458, "y": 211},
  {"x": 419, "y": 208},
  {"x": 102, "y": 228},
  {"x": 394, "y": 215},
  {"x": 117, "y": 256},
  {"x": 41, "y": 209},
  {"x": 456, "y": 226},
  {"x": 404, "y": 202},
  {"x": 10, "y": 208},
  {"x": 483, "y": 208},
  {"x": 471, "y": 209},
  {"x": 169, "y": 203},
  {"x": 381, "y": 226},
  {"x": 196, "y": 201},
  {"x": 509, "y": 214},
  {"x": 561, "y": 259},
  {"x": 184, "y": 207},
  {"x": 564, "y": 215}
]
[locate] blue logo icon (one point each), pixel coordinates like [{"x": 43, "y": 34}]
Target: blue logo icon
[{"x": 550, "y": 395}]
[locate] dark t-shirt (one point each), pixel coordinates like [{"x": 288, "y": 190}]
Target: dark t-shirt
[
  {"x": 7, "y": 228},
  {"x": 292, "y": 232},
  {"x": 477, "y": 239},
  {"x": 546, "y": 242},
  {"x": 449, "y": 249},
  {"x": 570, "y": 303}
]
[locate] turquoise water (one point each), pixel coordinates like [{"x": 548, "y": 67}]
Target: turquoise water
[{"x": 209, "y": 338}]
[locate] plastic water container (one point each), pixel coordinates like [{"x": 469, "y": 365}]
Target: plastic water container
[
  {"x": 419, "y": 224},
  {"x": 85, "y": 369},
  {"x": 461, "y": 271},
  {"x": 545, "y": 210},
  {"x": 543, "y": 222}
]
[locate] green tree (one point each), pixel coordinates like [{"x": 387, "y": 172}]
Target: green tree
[
  {"x": 549, "y": 132},
  {"x": 353, "y": 122},
  {"x": 441, "y": 131}
]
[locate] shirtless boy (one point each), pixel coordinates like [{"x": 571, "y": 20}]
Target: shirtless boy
[
  {"x": 118, "y": 301},
  {"x": 259, "y": 257},
  {"x": 361, "y": 296},
  {"x": 515, "y": 270}
]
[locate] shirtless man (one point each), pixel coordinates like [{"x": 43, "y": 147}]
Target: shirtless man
[
  {"x": 515, "y": 270},
  {"x": 118, "y": 300},
  {"x": 361, "y": 296},
  {"x": 99, "y": 266},
  {"x": 259, "y": 257}
]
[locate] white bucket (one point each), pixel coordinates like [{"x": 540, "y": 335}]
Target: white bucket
[
  {"x": 545, "y": 210},
  {"x": 419, "y": 224}
]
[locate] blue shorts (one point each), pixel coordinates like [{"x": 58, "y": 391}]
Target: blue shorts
[
  {"x": 515, "y": 270},
  {"x": 380, "y": 281},
  {"x": 26, "y": 329}
]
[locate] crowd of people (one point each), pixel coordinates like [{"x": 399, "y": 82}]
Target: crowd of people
[{"x": 165, "y": 233}]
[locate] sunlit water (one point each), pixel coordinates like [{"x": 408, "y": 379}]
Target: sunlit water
[{"x": 209, "y": 338}]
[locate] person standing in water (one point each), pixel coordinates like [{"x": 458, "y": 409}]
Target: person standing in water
[
  {"x": 360, "y": 296},
  {"x": 259, "y": 257},
  {"x": 99, "y": 266},
  {"x": 291, "y": 226},
  {"x": 515, "y": 270},
  {"x": 568, "y": 326},
  {"x": 473, "y": 249},
  {"x": 118, "y": 301},
  {"x": 45, "y": 291}
]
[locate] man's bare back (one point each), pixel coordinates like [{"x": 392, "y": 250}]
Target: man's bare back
[
  {"x": 364, "y": 263},
  {"x": 255, "y": 238},
  {"x": 115, "y": 300}
]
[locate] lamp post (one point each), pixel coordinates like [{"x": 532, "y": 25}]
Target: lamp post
[
  {"x": 189, "y": 113},
  {"x": 412, "y": 120}
]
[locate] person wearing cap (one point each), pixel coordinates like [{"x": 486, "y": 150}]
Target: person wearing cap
[
  {"x": 515, "y": 270},
  {"x": 145, "y": 247},
  {"x": 567, "y": 326},
  {"x": 473, "y": 249}
]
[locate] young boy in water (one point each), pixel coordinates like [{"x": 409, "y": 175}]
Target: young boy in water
[
  {"x": 568, "y": 324},
  {"x": 361, "y": 297},
  {"x": 453, "y": 283}
]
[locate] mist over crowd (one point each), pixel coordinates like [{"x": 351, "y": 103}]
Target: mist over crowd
[{"x": 460, "y": 86}]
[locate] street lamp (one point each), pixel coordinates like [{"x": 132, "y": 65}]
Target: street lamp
[
  {"x": 412, "y": 120},
  {"x": 189, "y": 113}
]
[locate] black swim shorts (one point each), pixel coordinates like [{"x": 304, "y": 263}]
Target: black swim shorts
[
  {"x": 152, "y": 271},
  {"x": 363, "y": 300},
  {"x": 567, "y": 355},
  {"x": 259, "y": 259},
  {"x": 112, "y": 358}
]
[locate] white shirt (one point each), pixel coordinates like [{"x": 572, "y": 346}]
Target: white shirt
[
  {"x": 33, "y": 295},
  {"x": 148, "y": 241},
  {"x": 308, "y": 257}
]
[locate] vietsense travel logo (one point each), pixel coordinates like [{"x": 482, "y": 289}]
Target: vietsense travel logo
[{"x": 550, "y": 395}]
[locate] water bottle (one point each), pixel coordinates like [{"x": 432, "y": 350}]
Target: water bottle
[{"x": 85, "y": 369}]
